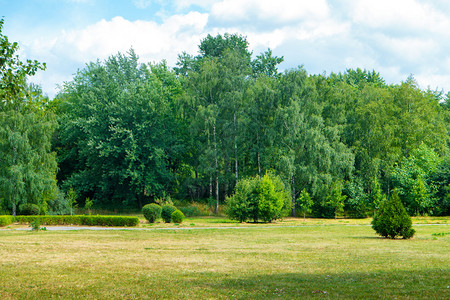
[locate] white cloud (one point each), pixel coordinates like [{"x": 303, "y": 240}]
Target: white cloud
[
  {"x": 182, "y": 4},
  {"x": 142, "y": 3},
  {"x": 400, "y": 16},
  {"x": 433, "y": 81},
  {"x": 395, "y": 38},
  {"x": 153, "y": 42},
  {"x": 273, "y": 11},
  {"x": 410, "y": 50}
]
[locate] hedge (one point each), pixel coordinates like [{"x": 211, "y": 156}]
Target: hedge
[
  {"x": 74, "y": 220},
  {"x": 6, "y": 220}
]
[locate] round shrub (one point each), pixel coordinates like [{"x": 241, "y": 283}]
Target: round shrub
[
  {"x": 152, "y": 212},
  {"x": 29, "y": 209},
  {"x": 259, "y": 199},
  {"x": 177, "y": 216},
  {"x": 392, "y": 220},
  {"x": 166, "y": 212}
]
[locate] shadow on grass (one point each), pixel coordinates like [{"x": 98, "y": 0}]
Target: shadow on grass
[{"x": 433, "y": 283}]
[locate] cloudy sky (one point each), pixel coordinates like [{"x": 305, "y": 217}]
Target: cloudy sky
[{"x": 394, "y": 37}]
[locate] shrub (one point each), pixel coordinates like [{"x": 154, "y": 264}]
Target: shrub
[
  {"x": 191, "y": 211},
  {"x": 392, "y": 220},
  {"x": 239, "y": 206},
  {"x": 152, "y": 212},
  {"x": 81, "y": 220},
  {"x": 166, "y": 212},
  {"x": 28, "y": 209},
  {"x": 259, "y": 198},
  {"x": 177, "y": 216},
  {"x": 36, "y": 225},
  {"x": 6, "y": 220}
]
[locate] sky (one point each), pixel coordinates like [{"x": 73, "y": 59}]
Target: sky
[{"x": 395, "y": 38}]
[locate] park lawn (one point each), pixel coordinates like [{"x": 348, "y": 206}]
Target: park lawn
[{"x": 314, "y": 261}]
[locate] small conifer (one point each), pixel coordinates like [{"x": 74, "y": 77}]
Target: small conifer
[{"x": 392, "y": 220}]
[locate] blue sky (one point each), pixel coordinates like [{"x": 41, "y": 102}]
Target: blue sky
[{"x": 396, "y": 38}]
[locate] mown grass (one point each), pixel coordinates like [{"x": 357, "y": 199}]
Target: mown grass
[{"x": 328, "y": 260}]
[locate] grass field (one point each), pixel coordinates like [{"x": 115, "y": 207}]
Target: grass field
[{"x": 312, "y": 259}]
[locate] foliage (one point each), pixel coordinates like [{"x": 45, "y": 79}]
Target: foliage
[
  {"x": 152, "y": 212},
  {"x": 191, "y": 211},
  {"x": 36, "y": 225},
  {"x": 440, "y": 179},
  {"x": 59, "y": 205},
  {"x": 259, "y": 198},
  {"x": 132, "y": 133},
  {"x": 72, "y": 199},
  {"x": 81, "y": 220},
  {"x": 177, "y": 216},
  {"x": 335, "y": 199},
  {"x": 28, "y": 209},
  {"x": 88, "y": 204},
  {"x": 411, "y": 179},
  {"x": 166, "y": 212},
  {"x": 27, "y": 166},
  {"x": 119, "y": 135},
  {"x": 304, "y": 203},
  {"x": 243, "y": 202},
  {"x": 6, "y": 220},
  {"x": 392, "y": 220}
]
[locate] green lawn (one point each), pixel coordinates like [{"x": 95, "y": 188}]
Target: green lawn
[{"x": 328, "y": 260}]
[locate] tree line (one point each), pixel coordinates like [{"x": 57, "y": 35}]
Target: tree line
[{"x": 124, "y": 134}]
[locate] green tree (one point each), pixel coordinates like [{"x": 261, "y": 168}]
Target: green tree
[
  {"x": 440, "y": 179},
  {"x": 121, "y": 131},
  {"x": 259, "y": 198},
  {"x": 71, "y": 196},
  {"x": 412, "y": 178},
  {"x": 335, "y": 199},
  {"x": 391, "y": 219},
  {"x": 27, "y": 166},
  {"x": 310, "y": 153},
  {"x": 88, "y": 204},
  {"x": 267, "y": 64},
  {"x": 215, "y": 91},
  {"x": 304, "y": 203}
]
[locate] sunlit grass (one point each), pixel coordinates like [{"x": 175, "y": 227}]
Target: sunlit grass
[{"x": 264, "y": 261}]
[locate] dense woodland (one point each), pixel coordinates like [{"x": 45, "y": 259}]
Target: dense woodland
[{"x": 124, "y": 134}]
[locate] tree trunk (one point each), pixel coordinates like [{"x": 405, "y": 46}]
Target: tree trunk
[
  {"x": 14, "y": 193},
  {"x": 259, "y": 164},
  {"x": 294, "y": 200},
  {"x": 235, "y": 148},
  {"x": 210, "y": 187},
  {"x": 259, "y": 158},
  {"x": 217, "y": 171},
  {"x": 14, "y": 207}
]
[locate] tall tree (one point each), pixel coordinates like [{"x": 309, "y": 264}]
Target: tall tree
[
  {"x": 122, "y": 130},
  {"x": 27, "y": 166},
  {"x": 312, "y": 155}
]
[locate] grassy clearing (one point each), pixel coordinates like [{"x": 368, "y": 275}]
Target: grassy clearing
[{"x": 248, "y": 263}]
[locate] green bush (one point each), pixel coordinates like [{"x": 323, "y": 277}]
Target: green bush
[
  {"x": 6, "y": 220},
  {"x": 259, "y": 199},
  {"x": 177, "y": 216},
  {"x": 392, "y": 220},
  {"x": 191, "y": 211},
  {"x": 81, "y": 220},
  {"x": 166, "y": 212},
  {"x": 152, "y": 212},
  {"x": 28, "y": 209}
]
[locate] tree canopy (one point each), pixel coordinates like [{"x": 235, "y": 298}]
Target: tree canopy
[{"x": 129, "y": 132}]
